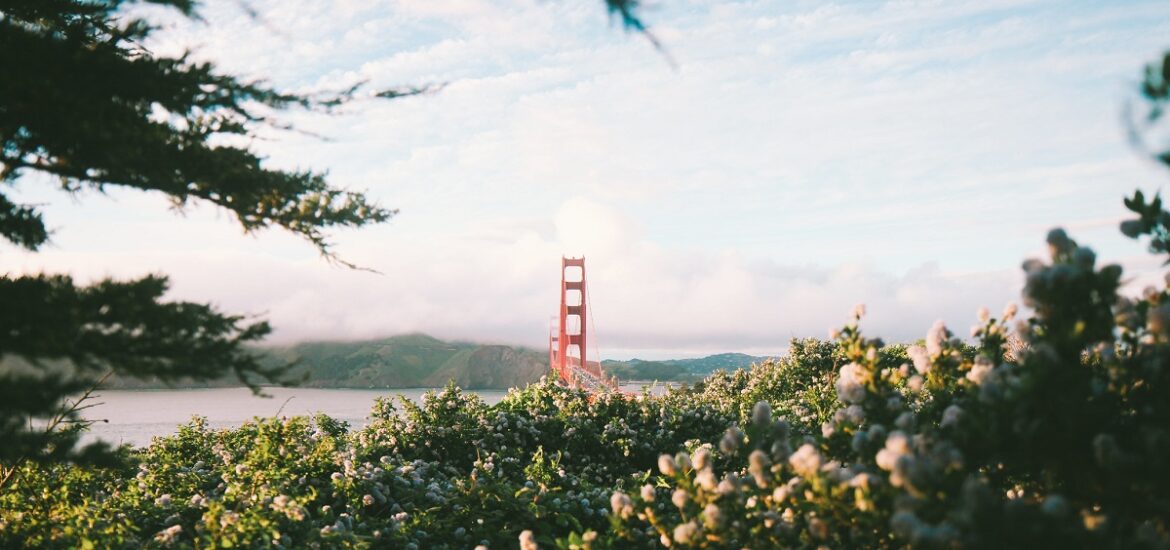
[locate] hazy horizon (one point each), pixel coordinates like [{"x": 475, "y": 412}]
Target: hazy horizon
[{"x": 607, "y": 354}]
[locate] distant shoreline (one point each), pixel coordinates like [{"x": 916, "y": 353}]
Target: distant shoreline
[
  {"x": 164, "y": 388},
  {"x": 416, "y": 361}
]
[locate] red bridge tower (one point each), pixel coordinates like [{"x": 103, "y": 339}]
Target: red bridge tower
[{"x": 568, "y": 341}]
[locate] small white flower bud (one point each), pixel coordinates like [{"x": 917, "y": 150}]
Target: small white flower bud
[
  {"x": 701, "y": 458},
  {"x": 679, "y": 498},
  {"x": 983, "y": 314},
  {"x": 1010, "y": 310},
  {"x": 731, "y": 441},
  {"x": 685, "y": 532},
  {"x": 527, "y": 540},
  {"x": 667, "y": 465},
  {"x": 648, "y": 493},
  {"x": 712, "y": 516},
  {"x": 762, "y": 413}
]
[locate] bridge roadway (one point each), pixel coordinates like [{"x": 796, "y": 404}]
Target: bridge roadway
[{"x": 588, "y": 381}]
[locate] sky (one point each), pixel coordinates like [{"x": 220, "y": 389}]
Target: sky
[{"x": 785, "y": 160}]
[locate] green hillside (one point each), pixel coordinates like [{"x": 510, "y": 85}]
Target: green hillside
[
  {"x": 679, "y": 369},
  {"x": 412, "y": 361},
  {"x": 711, "y": 363},
  {"x": 422, "y": 361},
  {"x": 407, "y": 361}
]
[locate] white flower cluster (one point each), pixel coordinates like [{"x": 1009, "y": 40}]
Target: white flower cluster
[
  {"x": 806, "y": 461},
  {"x": 920, "y": 357},
  {"x": 980, "y": 370},
  {"x": 936, "y": 337},
  {"x": 851, "y": 383},
  {"x": 897, "y": 446},
  {"x": 167, "y": 536},
  {"x": 528, "y": 540},
  {"x": 621, "y": 505},
  {"x": 288, "y": 506}
]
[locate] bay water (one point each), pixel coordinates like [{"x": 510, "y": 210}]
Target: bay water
[{"x": 136, "y": 416}]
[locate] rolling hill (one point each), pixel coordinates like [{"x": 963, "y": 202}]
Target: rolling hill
[
  {"x": 422, "y": 361},
  {"x": 412, "y": 361},
  {"x": 679, "y": 369}
]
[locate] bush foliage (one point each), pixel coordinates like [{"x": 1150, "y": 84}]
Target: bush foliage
[{"x": 1051, "y": 429}]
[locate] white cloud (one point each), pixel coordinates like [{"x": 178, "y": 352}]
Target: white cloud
[{"x": 643, "y": 296}]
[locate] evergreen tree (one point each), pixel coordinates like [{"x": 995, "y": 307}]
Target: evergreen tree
[{"x": 83, "y": 102}]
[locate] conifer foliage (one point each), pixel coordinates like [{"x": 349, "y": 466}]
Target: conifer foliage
[{"x": 87, "y": 107}]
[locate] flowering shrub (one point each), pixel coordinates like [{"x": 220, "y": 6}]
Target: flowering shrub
[
  {"x": 1050, "y": 431},
  {"x": 451, "y": 472}
]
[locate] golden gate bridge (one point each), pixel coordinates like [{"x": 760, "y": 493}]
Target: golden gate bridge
[{"x": 568, "y": 341}]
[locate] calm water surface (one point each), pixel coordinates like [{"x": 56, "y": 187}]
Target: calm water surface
[{"x": 135, "y": 416}]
